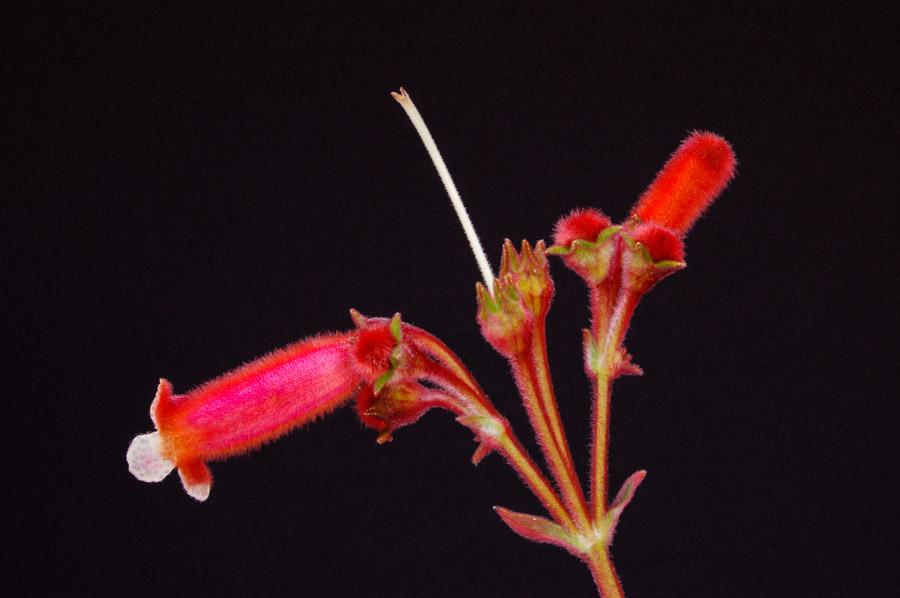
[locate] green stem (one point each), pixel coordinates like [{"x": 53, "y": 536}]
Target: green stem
[{"x": 600, "y": 445}]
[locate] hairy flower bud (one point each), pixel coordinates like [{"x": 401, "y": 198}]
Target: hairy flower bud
[
  {"x": 377, "y": 347},
  {"x": 504, "y": 320},
  {"x": 394, "y": 406},
  {"x": 522, "y": 295},
  {"x": 661, "y": 243},
  {"x": 650, "y": 253},
  {"x": 592, "y": 258},
  {"x": 529, "y": 273},
  {"x": 584, "y": 224},
  {"x": 693, "y": 177}
]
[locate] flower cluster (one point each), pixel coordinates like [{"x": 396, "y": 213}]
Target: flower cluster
[
  {"x": 395, "y": 372},
  {"x": 620, "y": 263}
]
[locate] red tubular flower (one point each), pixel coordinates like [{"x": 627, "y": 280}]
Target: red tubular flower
[
  {"x": 692, "y": 178},
  {"x": 244, "y": 409}
]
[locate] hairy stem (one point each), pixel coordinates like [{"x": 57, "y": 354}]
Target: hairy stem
[
  {"x": 606, "y": 372},
  {"x": 519, "y": 460},
  {"x": 542, "y": 387},
  {"x": 468, "y": 398},
  {"x": 600, "y": 446},
  {"x": 508, "y": 445},
  {"x": 604, "y": 573}
]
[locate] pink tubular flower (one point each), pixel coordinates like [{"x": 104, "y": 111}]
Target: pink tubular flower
[{"x": 244, "y": 409}]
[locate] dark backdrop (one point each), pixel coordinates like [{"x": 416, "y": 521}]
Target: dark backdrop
[{"x": 187, "y": 190}]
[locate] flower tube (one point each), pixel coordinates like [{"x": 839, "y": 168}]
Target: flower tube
[{"x": 243, "y": 409}]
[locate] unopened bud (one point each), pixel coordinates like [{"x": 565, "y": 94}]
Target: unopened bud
[{"x": 693, "y": 177}]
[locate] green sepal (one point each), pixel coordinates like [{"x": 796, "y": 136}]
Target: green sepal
[
  {"x": 583, "y": 244},
  {"x": 670, "y": 264},
  {"x": 640, "y": 271},
  {"x": 486, "y": 299},
  {"x": 645, "y": 256},
  {"x": 382, "y": 380},
  {"x": 591, "y": 259},
  {"x": 396, "y": 328},
  {"x": 608, "y": 232}
]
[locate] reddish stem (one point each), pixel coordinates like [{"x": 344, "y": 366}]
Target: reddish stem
[
  {"x": 532, "y": 373},
  {"x": 604, "y": 573}
]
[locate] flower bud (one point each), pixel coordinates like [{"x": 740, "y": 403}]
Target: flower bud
[
  {"x": 650, "y": 253},
  {"x": 587, "y": 244},
  {"x": 661, "y": 243},
  {"x": 529, "y": 273},
  {"x": 522, "y": 295},
  {"x": 504, "y": 320},
  {"x": 584, "y": 224},
  {"x": 394, "y": 406},
  {"x": 693, "y": 177}
]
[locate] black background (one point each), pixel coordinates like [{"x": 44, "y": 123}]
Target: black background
[{"x": 187, "y": 190}]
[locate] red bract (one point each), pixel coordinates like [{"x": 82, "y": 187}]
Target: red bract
[{"x": 692, "y": 178}]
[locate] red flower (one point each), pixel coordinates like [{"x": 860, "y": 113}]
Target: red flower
[
  {"x": 692, "y": 178},
  {"x": 243, "y": 409}
]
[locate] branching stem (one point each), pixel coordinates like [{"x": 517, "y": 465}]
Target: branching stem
[
  {"x": 519, "y": 460},
  {"x": 532, "y": 373},
  {"x": 449, "y": 371},
  {"x": 604, "y": 573},
  {"x": 610, "y": 352}
]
